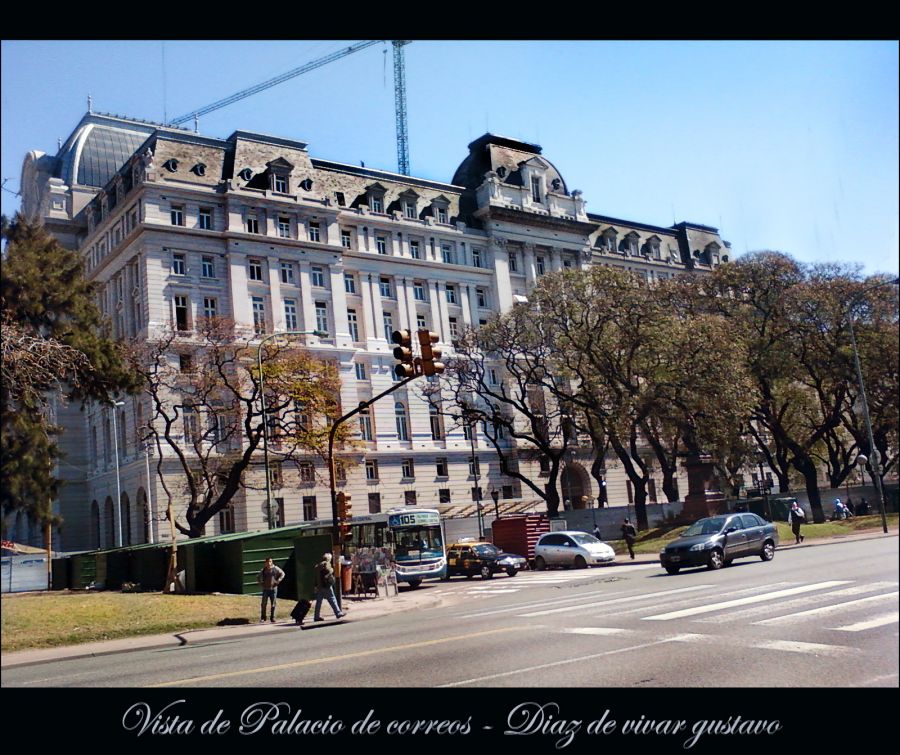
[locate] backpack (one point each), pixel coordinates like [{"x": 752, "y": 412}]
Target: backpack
[{"x": 326, "y": 577}]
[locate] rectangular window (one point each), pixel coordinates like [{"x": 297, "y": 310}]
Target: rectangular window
[
  {"x": 191, "y": 423},
  {"x": 255, "y": 269},
  {"x": 536, "y": 190},
  {"x": 381, "y": 244},
  {"x": 372, "y": 469},
  {"x": 440, "y": 467},
  {"x": 252, "y": 224},
  {"x": 185, "y": 363},
  {"x": 321, "y": 316},
  {"x": 205, "y": 219},
  {"x": 474, "y": 467},
  {"x": 443, "y": 495},
  {"x": 377, "y": 204},
  {"x": 281, "y": 184},
  {"x": 482, "y": 297},
  {"x": 259, "y": 315},
  {"x": 409, "y": 497},
  {"x": 513, "y": 265},
  {"x": 340, "y": 471},
  {"x": 210, "y": 307},
  {"x": 421, "y": 322},
  {"x": 178, "y": 264},
  {"x": 448, "y": 253},
  {"x": 492, "y": 376},
  {"x": 309, "y": 508},
  {"x": 476, "y": 257},
  {"x": 414, "y": 250},
  {"x": 339, "y": 196},
  {"x": 388, "y": 326},
  {"x": 290, "y": 314},
  {"x": 365, "y": 426},
  {"x": 507, "y": 492},
  {"x": 360, "y": 371},
  {"x": 276, "y": 475},
  {"x": 284, "y": 227},
  {"x": 318, "y": 277},
  {"x": 409, "y": 469},
  {"x": 411, "y": 210},
  {"x": 540, "y": 266},
  {"x": 451, "y": 294},
  {"x": 477, "y": 494},
  {"x": 226, "y": 520},
  {"x": 567, "y": 263},
  {"x": 454, "y": 328},
  {"x": 442, "y": 214},
  {"x": 349, "y": 283},
  {"x": 208, "y": 267},
  {"x": 374, "y": 503},
  {"x": 384, "y": 285},
  {"x": 419, "y": 291},
  {"x": 307, "y": 472},
  {"x": 314, "y": 232},
  {"x": 345, "y": 239},
  {"x": 287, "y": 273},
  {"x": 182, "y": 313},
  {"x": 176, "y": 214},
  {"x": 353, "y": 325}
]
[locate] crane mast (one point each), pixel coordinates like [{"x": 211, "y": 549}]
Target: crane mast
[{"x": 400, "y": 106}]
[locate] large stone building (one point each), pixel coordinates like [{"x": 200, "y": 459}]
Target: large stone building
[{"x": 175, "y": 226}]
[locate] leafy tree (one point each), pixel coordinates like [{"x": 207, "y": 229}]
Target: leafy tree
[{"x": 54, "y": 339}]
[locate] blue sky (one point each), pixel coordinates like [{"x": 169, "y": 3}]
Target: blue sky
[{"x": 781, "y": 145}]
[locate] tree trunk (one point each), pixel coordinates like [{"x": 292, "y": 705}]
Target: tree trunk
[{"x": 808, "y": 470}]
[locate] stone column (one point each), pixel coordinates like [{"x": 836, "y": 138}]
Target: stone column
[
  {"x": 555, "y": 259},
  {"x": 307, "y": 304},
  {"x": 703, "y": 498},
  {"x": 275, "y": 295},
  {"x": 528, "y": 261},
  {"x": 466, "y": 297},
  {"x": 240, "y": 296},
  {"x": 501, "y": 269},
  {"x": 339, "y": 307},
  {"x": 375, "y": 337}
]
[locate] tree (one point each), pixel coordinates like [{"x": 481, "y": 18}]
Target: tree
[
  {"x": 206, "y": 416},
  {"x": 54, "y": 341}
]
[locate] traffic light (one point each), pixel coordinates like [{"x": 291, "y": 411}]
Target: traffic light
[
  {"x": 343, "y": 509},
  {"x": 403, "y": 354},
  {"x": 431, "y": 364}
]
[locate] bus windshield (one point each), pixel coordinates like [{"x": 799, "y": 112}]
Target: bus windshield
[{"x": 413, "y": 543}]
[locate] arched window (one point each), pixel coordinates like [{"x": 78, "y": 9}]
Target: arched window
[
  {"x": 401, "y": 421},
  {"x": 144, "y": 515},
  {"x": 109, "y": 521},
  {"x": 95, "y": 525},
  {"x": 126, "y": 519}
]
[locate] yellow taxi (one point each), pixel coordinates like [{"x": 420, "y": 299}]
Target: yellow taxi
[{"x": 471, "y": 557}]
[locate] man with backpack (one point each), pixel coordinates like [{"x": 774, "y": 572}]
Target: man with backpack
[{"x": 325, "y": 588}]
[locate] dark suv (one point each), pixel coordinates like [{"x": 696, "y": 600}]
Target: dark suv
[{"x": 716, "y": 541}]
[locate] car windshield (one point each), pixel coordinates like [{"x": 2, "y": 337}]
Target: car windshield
[
  {"x": 486, "y": 550},
  {"x": 709, "y": 526},
  {"x": 585, "y": 539}
]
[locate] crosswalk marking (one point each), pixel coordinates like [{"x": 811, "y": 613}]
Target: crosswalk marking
[
  {"x": 709, "y": 608},
  {"x": 553, "y": 601},
  {"x": 815, "y": 648},
  {"x": 662, "y": 605},
  {"x": 807, "y": 600},
  {"x": 595, "y": 630},
  {"x": 846, "y": 605},
  {"x": 595, "y": 604},
  {"x": 873, "y": 623}
]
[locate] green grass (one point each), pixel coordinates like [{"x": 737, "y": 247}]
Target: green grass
[
  {"x": 41, "y": 620},
  {"x": 651, "y": 541}
]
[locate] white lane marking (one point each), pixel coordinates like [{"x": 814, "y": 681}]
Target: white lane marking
[
  {"x": 792, "y": 618},
  {"x": 594, "y": 630},
  {"x": 730, "y": 594},
  {"x": 879, "y": 680},
  {"x": 690, "y": 637},
  {"x": 545, "y": 602},
  {"x": 808, "y": 600},
  {"x": 814, "y": 648},
  {"x": 579, "y": 659},
  {"x": 877, "y": 621},
  {"x": 744, "y": 601},
  {"x": 629, "y": 599}
]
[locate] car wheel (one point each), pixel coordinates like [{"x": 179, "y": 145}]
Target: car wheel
[
  {"x": 580, "y": 563},
  {"x": 539, "y": 563},
  {"x": 486, "y": 572},
  {"x": 414, "y": 583},
  {"x": 672, "y": 569},
  {"x": 716, "y": 559},
  {"x": 768, "y": 551},
  {"x": 512, "y": 572}
]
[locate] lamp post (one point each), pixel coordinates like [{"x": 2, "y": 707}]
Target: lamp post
[
  {"x": 118, "y": 480},
  {"x": 763, "y": 484},
  {"x": 865, "y": 404},
  {"x": 495, "y": 494},
  {"x": 476, "y": 473},
  {"x": 262, "y": 403}
]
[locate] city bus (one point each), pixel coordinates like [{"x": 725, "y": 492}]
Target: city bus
[{"x": 416, "y": 537}]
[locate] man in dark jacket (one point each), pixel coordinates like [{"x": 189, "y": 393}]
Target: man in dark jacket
[
  {"x": 325, "y": 588},
  {"x": 269, "y": 577},
  {"x": 629, "y": 533}
]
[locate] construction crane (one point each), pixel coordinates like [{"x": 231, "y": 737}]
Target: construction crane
[{"x": 399, "y": 93}]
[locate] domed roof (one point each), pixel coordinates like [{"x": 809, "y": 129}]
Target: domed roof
[{"x": 98, "y": 148}]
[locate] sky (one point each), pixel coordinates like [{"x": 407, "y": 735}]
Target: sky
[{"x": 788, "y": 146}]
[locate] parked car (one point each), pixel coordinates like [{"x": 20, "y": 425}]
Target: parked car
[
  {"x": 716, "y": 541},
  {"x": 571, "y": 548},
  {"x": 474, "y": 557}
]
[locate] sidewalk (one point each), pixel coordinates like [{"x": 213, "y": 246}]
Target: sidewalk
[{"x": 358, "y": 608}]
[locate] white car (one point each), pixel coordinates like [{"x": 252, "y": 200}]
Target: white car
[{"x": 571, "y": 548}]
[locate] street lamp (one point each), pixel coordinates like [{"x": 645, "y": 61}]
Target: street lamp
[
  {"x": 763, "y": 484},
  {"x": 470, "y": 421},
  {"x": 262, "y": 402},
  {"x": 862, "y": 394},
  {"x": 118, "y": 480},
  {"x": 495, "y": 494}
]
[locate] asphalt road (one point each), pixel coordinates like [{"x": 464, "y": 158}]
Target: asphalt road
[{"x": 818, "y": 616}]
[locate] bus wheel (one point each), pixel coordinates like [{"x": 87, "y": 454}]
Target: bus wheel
[{"x": 414, "y": 583}]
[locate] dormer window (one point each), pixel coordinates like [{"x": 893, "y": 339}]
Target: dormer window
[
  {"x": 410, "y": 209},
  {"x": 653, "y": 248},
  {"x": 279, "y": 171},
  {"x": 609, "y": 240},
  {"x": 440, "y": 209},
  {"x": 281, "y": 184},
  {"x": 536, "y": 189},
  {"x": 376, "y": 203},
  {"x": 376, "y": 193},
  {"x": 632, "y": 245},
  {"x": 442, "y": 214},
  {"x": 711, "y": 254}
]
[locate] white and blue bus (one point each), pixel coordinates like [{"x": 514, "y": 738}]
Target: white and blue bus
[{"x": 416, "y": 537}]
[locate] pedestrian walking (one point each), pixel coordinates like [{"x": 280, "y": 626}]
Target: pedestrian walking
[
  {"x": 629, "y": 533},
  {"x": 597, "y": 532},
  {"x": 797, "y": 517},
  {"x": 863, "y": 507},
  {"x": 325, "y": 588},
  {"x": 269, "y": 577}
]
